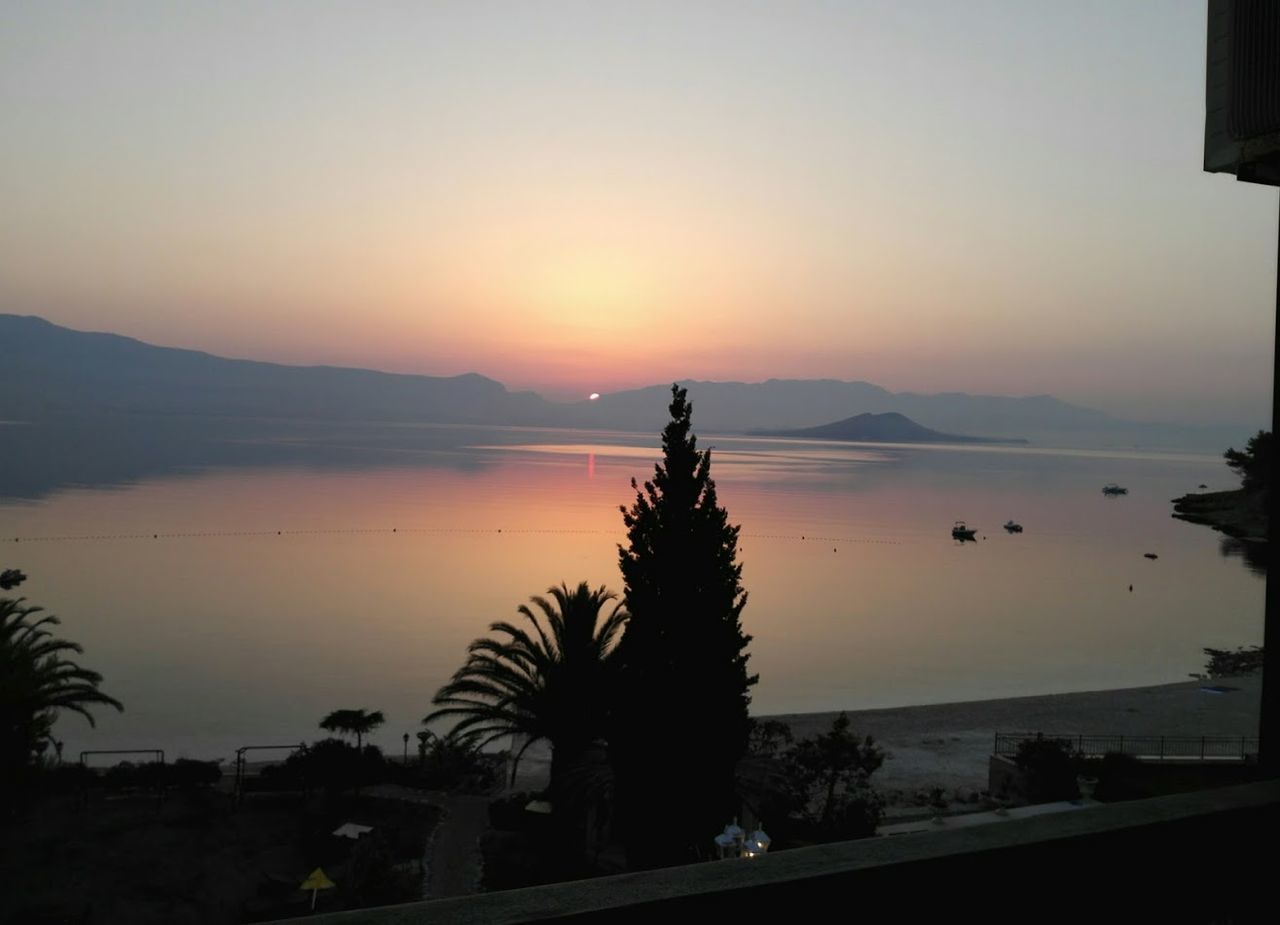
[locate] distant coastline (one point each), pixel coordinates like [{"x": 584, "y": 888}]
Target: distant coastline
[
  {"x": 889, "y": 427},
  {"x": 53, "y": 373},
  {"x": 1239, "y": 514}
]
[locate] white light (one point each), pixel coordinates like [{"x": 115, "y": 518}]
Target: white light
[{"x": 593, "y": 396}]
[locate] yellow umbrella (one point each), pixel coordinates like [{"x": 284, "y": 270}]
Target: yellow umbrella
[{"x": 317, "y": 880}]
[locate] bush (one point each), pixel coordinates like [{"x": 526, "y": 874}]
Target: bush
[
  {"x": 1050, "y": 766},
  {"x": 67, "y": 778},
  {"x": 455, "y": 763},
  {"x": 508, "y": 814},
  {"x": 189, "y": 774},
  {"x": 818, "y": 790},
  {"x": 331, "y": 764},
  {"x": 1120, "y": 777}
]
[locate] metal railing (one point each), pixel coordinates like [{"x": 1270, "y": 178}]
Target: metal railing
[
  {"x": 1145, "y": 747},
  {"x": 242, "y": 771}
]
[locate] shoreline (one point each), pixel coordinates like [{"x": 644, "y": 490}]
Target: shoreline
[
  {"x": 1238, "y": 514},
  {"x": 948, "y": 745}
]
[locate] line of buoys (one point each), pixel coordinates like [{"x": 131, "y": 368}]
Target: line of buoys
[{"x": 365, "y": 531}]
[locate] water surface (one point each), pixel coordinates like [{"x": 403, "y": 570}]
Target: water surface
[{"x": 232, "y": 592}]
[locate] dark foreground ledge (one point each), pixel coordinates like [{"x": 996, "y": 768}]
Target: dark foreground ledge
[{"x": 1206, "y": 856}]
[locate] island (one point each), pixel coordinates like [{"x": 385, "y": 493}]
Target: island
[{"x": 890, "y": 427}]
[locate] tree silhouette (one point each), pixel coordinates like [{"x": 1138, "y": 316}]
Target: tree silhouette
[
  {"x": 1253, "y": 463},
  {"x": 681, "y": 722},
  {"x": 37, "y": 680},
  {"x": 358, "y": 723},
  {"x": 551, "y": 684},
  {"x": 830, "y": 773}
]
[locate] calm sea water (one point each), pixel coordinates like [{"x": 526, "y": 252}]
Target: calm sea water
[{"x": 232, "y": 592}]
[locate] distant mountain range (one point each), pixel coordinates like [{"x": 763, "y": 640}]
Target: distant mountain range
[
  {"x": 51, "y": 372},
  {"x": 889, "y": 427}
]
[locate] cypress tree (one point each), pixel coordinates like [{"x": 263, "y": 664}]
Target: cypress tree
[{"x": 680, "y": 721}]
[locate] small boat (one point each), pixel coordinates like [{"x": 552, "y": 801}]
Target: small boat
[
  {"x": 961, "y": 532},
  {"x": 1114, "y": 489},
  {"x": 1013, "y": 527},
  {"x": 1150, "y": 555}
]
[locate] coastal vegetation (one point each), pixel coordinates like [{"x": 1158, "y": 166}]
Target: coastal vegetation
[
  {"x": 358, "y": 723},
  {"x": 38, "y": 680},
  {"x": 683, "y": 681},
  {"x": 815, "y": 790},
  {"x": 616, "y": 694},
  {"x": 1242, "y": 513},
  {"x": 551, "y": 682},
  {"x": 830, "y": 777},
  {"x": 1253, "y": 463},
  {"x": 1228, "y": 663}
]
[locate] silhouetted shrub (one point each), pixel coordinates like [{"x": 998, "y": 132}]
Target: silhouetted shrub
[
  {"x": 1120, "y": 777},
  {"x": 508, "y": 813},
  {"x": 67, "y": 778},
  {"x": 127, "y": 775},
  {"x": 189, "y": 774},
  {"x": 330, "y": 764},
  {"x": 455, "y": 763},
  {"x": 1050, "y": 767}
]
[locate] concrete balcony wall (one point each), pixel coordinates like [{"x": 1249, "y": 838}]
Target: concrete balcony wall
[{"x": 1207, "y": 856}]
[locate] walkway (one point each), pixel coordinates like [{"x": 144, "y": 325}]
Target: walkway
[{"x": 453, "y": 862}]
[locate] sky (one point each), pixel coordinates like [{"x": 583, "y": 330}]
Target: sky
[{"x": 999, "y": 197}]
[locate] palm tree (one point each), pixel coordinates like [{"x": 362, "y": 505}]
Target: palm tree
[
  {"x": 37, "y": 680},
  {"x": 550, "y": 684},
  {"x": 358, "y": 723}
]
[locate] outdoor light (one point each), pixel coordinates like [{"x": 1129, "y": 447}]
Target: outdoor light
[
  {"x": 733, "y": 842},
  {"x": 725, "y": 844},
  {"x": 757, "y": 844}
]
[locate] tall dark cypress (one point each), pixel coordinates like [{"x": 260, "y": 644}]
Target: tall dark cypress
[{"x": 680, "y": 724}]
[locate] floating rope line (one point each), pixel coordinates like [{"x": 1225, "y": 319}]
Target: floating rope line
[{"x": 387, "y": 531}]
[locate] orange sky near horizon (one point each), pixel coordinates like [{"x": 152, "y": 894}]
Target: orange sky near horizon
[{"x": 991, "y": 197}]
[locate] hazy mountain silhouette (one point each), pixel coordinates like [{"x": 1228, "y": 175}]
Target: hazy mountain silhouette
[
  {"x": 780, "y": 404},
  {"x": 51, "y": 373},
  {"x": 890, "y": 427},
  {"x": 51, "y": 370}
]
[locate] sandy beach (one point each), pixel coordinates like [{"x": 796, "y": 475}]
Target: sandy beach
[{"x": 948, "y": 745}]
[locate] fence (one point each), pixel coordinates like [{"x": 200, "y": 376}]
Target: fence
[{"x": 1145, "y": 747}]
